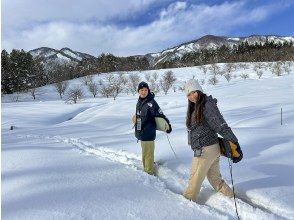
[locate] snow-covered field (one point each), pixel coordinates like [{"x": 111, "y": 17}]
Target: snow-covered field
[{"x": 82, "y": 161}]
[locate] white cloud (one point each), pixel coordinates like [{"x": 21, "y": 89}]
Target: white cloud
[
  {"x": 23, "y": 13},
  {"x": 173, "y": 8},
  {"x": 178, "y": 23}
]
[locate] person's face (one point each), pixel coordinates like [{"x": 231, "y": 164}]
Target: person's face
[
  {"x": 192, "y": 96},
  {"x": 143, "y": 92}
]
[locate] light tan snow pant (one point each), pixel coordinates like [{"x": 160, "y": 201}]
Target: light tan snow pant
[
  {"x": 148, "y": 156},
  {"x": 206, "y": 165}
]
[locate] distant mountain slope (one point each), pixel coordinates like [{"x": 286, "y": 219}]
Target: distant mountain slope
[
  {"x": 212, "y": 42},
  {"x": 206, "y": 42},
  {"x": 64, "y": 55}
]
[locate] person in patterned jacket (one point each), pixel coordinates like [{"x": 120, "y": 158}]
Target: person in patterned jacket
[{"x": 204, "y": 122}]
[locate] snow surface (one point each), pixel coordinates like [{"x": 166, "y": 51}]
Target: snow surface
[
  {"x": 62, "y": 57},
  {"x": 82, "y": 161},
  {"x": 71, "y": 54}
]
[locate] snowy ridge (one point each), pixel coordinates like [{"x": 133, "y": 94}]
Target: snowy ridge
[
  {"x": 213, "y": 42},
  {"x": 61, "y": 56},
  {"x": 205, "y": 42}
]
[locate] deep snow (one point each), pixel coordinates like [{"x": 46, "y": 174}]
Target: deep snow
[{"x": 83, "y": 162}]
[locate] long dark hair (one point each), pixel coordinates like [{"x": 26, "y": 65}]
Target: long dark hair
[{"x": 199, "y": 105}]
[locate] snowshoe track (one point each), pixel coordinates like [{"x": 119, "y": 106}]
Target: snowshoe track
[{"x": 171, "y": 181}]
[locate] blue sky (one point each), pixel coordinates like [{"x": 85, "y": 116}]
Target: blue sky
[{"x": 131, "y": 27}]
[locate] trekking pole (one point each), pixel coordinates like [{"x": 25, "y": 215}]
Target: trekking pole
[
  {"x": 281, "y": 116},
  {"x": 172, "y": 149},
  {"x": 231, "y": 172}
]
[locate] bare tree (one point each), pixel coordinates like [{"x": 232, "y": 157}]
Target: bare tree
[
  {"x": 110, "y": 77},
  {"x": 204, "y": 69},
  {"x": 155, "y": 76},
  {"x": 100, "y": 82},
  {"x": 277, "y": 68},
  {"x": 88, "y": 79},
  {"x": 221, "y": 72},
  {"x": 115, "y": 85},
  {"x": 244, "y": 76},
  {"x": 214, "y": 68},
  {"x": 74, "y": 94},
  {"x": 229, "y": 67},
  {"x": 167, "y": 81},
  {"x": 259, "y": 73},
  {"x": 106, "y": 90},
  {"x": 258, "y": 69},
  {"x": 258, "y": 65},
  {"x": 147, "y": 77},
  {"x": 60, "y": 87},
  {"x": 243, "y": 65},
  {"x": 287, "y": 67},
  {"x": 269, "y": 65},
  {"x": 93, "y": 88},
  {"x": 34, "y": 92},
  {"x": 228, "y": 76},
  {"x": 153, "y": 84},
  {"x": 118, "y": 85},
  {"x": 213, "y": 80},
  {"x": 202, "y": 81},
  {"x": 134, "y": 80}
]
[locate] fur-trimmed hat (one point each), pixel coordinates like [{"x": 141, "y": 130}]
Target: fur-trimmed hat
[
  {"x": 143, "y": 85},
  {"x": 192, "y": 85}
]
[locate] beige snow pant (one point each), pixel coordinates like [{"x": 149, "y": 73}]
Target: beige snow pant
[
  {"x": 148, "y": 156},
  {"x": 206, "y": 165}
]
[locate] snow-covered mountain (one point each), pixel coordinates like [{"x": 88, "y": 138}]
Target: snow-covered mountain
[
  {"x": 64, "y": 55},
  {"x": 212, "y": 42},
  {"x": 206, "y": 42}
]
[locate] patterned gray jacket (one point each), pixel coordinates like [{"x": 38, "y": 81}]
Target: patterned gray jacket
[{"x": 205, "y": 133}]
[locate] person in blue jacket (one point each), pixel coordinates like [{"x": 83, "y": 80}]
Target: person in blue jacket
[{"x": 145, "y": 126}]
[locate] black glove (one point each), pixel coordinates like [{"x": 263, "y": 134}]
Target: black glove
[
  {"x": 238, "y": 159},
  {"x": 170, "y": 129}
]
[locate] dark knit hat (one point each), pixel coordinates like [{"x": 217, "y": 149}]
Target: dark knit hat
[{"x": 142, "y": 85}]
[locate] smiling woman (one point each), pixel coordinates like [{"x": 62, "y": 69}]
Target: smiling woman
[{"x": 204, "y": 122}]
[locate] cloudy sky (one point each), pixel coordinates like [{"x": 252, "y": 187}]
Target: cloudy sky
[{"x": 129, "y": 27}]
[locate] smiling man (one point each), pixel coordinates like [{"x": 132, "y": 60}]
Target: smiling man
[{"x": 145, "y": 126}]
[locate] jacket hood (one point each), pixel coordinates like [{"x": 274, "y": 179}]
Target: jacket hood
[{"x": 211, "y": 99}]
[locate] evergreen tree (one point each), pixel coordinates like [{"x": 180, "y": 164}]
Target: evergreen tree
[{"x": 6, "y": 86}]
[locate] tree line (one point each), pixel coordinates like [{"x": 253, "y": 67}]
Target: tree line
[
  {"x": 22, "y": 72},
  {"x": 113, "y": 85},
  {"x": 244, "y": 52}
]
